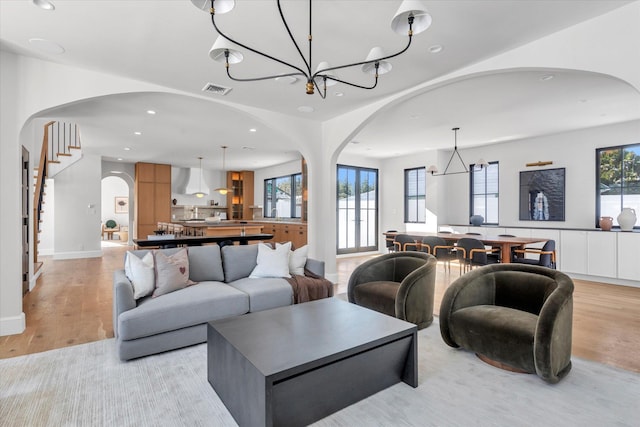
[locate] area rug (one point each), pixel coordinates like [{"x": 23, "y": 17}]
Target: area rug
[{"x": 86, "y": 385}]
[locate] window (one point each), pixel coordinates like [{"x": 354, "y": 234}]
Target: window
[
  {"x": 283, "y": 196},
  {"x": 617, "y": 181},
  {"x": 484, "y": 192},
  {"x": 415, "y": 195}
]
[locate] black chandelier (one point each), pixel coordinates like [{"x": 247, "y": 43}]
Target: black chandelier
[{"x": 411, "y": 18}]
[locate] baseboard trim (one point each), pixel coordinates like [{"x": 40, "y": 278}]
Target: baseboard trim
[
  {"x": 12, "y": 325},
  {"x": 76, "y": 255}
]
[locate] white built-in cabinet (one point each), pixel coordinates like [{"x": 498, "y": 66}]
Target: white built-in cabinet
[
  {"x": 573, "y": 248},
  {"x": 628, "y": 256},
  {"x": 602, "y": 254}
]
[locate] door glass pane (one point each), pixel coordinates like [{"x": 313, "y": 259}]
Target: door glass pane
[{"x": 357, "y": 209}]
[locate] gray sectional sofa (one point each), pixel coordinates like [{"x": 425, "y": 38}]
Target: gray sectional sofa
[{"x": 178, "y": 319}]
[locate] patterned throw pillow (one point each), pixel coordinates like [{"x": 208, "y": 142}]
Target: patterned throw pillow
[{"x": 172, "y": 272}]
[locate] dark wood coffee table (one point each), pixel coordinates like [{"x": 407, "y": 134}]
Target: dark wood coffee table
[{"x": 294, "y": 365}]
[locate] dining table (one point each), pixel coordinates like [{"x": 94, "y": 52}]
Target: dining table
[{"x": 505, "y": 243}]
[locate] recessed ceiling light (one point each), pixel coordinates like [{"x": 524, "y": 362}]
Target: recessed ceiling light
[
  {"x": 547, "y": 77},
  {"x": 151, "y": 112},
  {"x": 116, "y": 171},
  {"x": 137, "y": 133},
  {"x": 47, "y": 46},
  {"x": 436, "y": 48},
  {"x": 355, "y": 142},
  {"x": 306, "y": 109},
  {"x": 127, "y": 149},
  {"x": 44, "y": 4},
  {"x": 120, "y": 159},
  {"x": 252, "y": 130},
  {"x": 246, "y": 147},
  {"x": 339, "y": 94}
]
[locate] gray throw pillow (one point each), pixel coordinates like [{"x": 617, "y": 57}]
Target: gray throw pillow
[
  {"x": 238, "y": 261},
  {"x": 205, "y": 263}
]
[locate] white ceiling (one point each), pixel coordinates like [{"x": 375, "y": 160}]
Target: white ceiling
[{"x": 167, "y": 42}]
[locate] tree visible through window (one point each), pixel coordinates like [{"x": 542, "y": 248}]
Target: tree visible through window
[
  {"x": 618, "y": 180},
  {"x": 484, "y": 192},
  {"x": 415, "y": 195},
  {"x": 283, "y": 197}
]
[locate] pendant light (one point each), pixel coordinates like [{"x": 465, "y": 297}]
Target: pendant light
[
  {"x": 200, "y": 194},
  {"x": 433, "y": 169},
  {"x": 224, "y": 190}
]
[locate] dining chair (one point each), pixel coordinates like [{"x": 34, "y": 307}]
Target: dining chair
[
  {"x": 472, "y": 253},
  {"x": 546, "y": 255},
  {"x": 439, "y": 248},
  {"x": 389, "y": 241},
  {"x": 404, "y": 241}
]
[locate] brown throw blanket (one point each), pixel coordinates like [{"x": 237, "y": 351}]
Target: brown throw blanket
[{"x": 310, "y": 287}]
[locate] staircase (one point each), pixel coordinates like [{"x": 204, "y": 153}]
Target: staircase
[{"x": 61, "y": 148}]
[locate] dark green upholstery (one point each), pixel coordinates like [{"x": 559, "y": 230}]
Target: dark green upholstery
[
  {"x": 399, "y": 284},
  {"x": 519, "y": 315}
]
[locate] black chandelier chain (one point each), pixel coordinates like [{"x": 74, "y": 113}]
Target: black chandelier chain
[{"x": 310, "y": 77}]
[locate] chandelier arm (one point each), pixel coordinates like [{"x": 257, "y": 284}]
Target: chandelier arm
[
  {"x": 213, "y": 21},
  {"x": 455, "y": 151},
  {"x": 293, "y": 40},
  {"x": 367, "y": 62},
  {"x": 255, "y": 79},
  {"x": 353, "y": 84}
]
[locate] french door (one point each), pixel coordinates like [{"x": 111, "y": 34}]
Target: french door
[{"x": 357, "y": 209}]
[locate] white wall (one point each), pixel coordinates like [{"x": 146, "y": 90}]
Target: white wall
[
  {"x": 112, "y": 187},
  {"x": 448, "y": 196},
  {"x": 12, "y": 319},
  {"x": 78, "y": 209}
]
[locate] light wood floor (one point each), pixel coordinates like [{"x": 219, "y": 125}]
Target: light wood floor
[{"x": 71, "y": 305}]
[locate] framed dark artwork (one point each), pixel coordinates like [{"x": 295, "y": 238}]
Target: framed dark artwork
[{"x": 542, "y": 195}]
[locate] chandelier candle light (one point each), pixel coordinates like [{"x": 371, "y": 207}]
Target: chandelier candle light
[
  {"x": 433, "y": 169},
  {"x": 411, "y": 18}
]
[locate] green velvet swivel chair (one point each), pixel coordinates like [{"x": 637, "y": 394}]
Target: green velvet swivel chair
[
  {"x": 400, "y": 284},
  {"x": 515, "y": 315}
]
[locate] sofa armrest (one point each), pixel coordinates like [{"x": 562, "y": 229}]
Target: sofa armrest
[
  {"x": 122, "y": 297},
  {"x": 315, "y": 266}
]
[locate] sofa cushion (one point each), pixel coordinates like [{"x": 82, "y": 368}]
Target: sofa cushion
[
  {"x": 379, "y": 296},
  {"x": 272, "y": 262},
  {"x": 172, "y": 272},
  {"x": 265, "y": 293},
  {"x": 238, "y": 261},
  {"x": 196, "y": 304},
  {"x": 205, "y": 263},
  {"x": 490, "y": 324}
]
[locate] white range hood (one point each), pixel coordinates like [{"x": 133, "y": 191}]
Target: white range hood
[{"x": 196, "y": 182}]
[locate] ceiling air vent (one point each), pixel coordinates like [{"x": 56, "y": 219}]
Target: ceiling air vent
[{"x": 217, "y": 89}]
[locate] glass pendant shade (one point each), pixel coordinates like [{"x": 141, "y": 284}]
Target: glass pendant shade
[
  {"x": 219, "y": 46},
  {"x": 415, "y": 8},
  {"x": 383, "y": 66},
  {"x": 221, "y": 6}
]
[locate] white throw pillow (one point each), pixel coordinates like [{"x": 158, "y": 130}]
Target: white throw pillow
[
  {"x": 141, "y": 273},
  {"x": 297, "y": 260},
  {"x": 272, "y": 262}
]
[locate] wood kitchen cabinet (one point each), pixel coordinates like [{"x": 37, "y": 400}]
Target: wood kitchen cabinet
[
  {"x": 240, "y": 200},
  {"x": 152, "y": 197}
]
